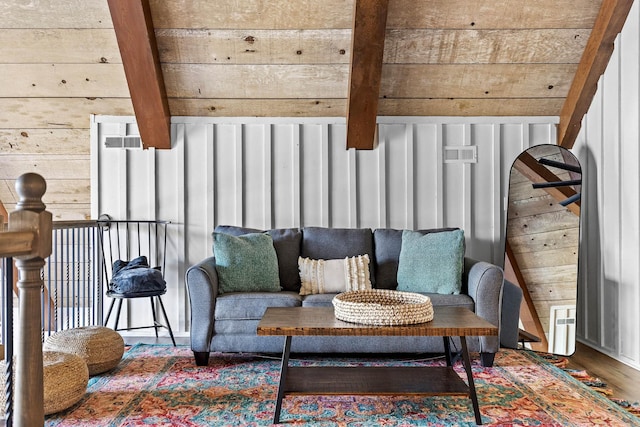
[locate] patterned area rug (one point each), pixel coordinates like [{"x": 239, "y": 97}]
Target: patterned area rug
[{"x": 161, "y": 386}]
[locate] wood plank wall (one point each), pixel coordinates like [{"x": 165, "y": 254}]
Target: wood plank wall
[
  {"x": 59, "y": 64},
  {"x": 609, "y": 292},
  {"x": 493, "y": 56},
  {"x": 266, "y": 172}
]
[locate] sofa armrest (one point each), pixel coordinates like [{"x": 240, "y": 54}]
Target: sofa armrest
[
  {"x": 484, "y": 285},
  {"x": 510, "y": 322},
  {"x": 202, "y": 286}
]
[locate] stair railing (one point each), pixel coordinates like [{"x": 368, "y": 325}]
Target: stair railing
[{"x": 28, "y": 240}]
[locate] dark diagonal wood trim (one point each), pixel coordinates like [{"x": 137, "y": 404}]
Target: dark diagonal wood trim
[
  {"x": 528, "y": 166},
  {"x": 367, "y": 47},
  {"x": 528, "y": 313},
  {"x": 593, "y": 63},
  {"x": 137, "y": 42}
]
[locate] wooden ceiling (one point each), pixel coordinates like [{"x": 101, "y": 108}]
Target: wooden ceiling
[{"x": 304, "y": 58}]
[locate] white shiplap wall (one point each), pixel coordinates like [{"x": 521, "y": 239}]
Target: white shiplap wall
[
  {"x": 609, "y": 150},
  {"x": 291, "y": 172}
]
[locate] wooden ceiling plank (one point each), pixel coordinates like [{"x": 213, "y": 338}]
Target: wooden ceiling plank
[
  {"x": 528, "y": 313},
  {"x": 367, "y": 50},
  {"x": 494, "y": 14},
  {"x": 137, "y": 43},
  {"x": 527, "y": 165},
  {"x": 593, "y": 63},
  {"x": 317, "y": 107},
  {"x": 335, "y": 14}
]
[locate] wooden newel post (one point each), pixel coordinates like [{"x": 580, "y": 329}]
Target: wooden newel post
[{"x": 30, "y": 215}]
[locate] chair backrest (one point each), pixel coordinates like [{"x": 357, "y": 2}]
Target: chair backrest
[{"x": 128, "y": 239}]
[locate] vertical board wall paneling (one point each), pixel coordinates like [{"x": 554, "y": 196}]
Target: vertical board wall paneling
[
  {"x": 629, "y": 343},
  {"x": 603, "y": 270},
  {"x": 169, "y": 171},
  {"x": 256, "y": 149},
  {"x": 285, "y": 160},
  {"x": 227, "y": 175},
  {"x": 314, "y": 177},
  {"x": 467, "y": 207},
  {"x": 351, "y": 173},
  {"x": 605, "y": 212},
  {"x": 608, "y": 149},
  {"x": 410, "y": 165},
  {"x": 282, "y": 172},
  {"x": 440, "y": 195},
  {"x": 368, "y": 203},
  {"x": 295, "y": 153},
  {"x": 486, "y": 215},
  {"x": 381, "y": 168},
  {"x": 398, "y": 169},
  {"x": 197, "y": 142},
  {"x": 428, "y": 186},
  {"x": 340, "y": 181},
  {"x": 199, "y": 186},
  {"x": 142, "y": 184},
  {"x": 594, "y": 302}
]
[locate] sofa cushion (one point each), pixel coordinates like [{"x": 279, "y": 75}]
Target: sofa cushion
[
  {"x": 252, "y": 305},
  {"x": 286, "y": 241},
  {"x": 431, "y": 262},
  {"x": 246, "y": 263},
  {"x": 387, "y": 243},
  {"x": 334, "y": 243},
  {"x": 451, "y": 300},
  {"x": 318, "y": 300},
  {"x": 319, "y": 276}
]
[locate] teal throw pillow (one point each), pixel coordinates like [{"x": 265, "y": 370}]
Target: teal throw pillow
[
  {"x": 246, "y": 263},
  {"x": 431, "y": 262}
]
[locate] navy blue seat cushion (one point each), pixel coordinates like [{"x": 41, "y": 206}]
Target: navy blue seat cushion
[
  {"x": 338, "y": 243},
  {"x": 132, "y": 279},
  {"x": 286, "y": 242},
  {"x": 387, "y": 243}
]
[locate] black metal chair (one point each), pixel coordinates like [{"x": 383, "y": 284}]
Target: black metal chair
[{"x": 134, "y": 261}]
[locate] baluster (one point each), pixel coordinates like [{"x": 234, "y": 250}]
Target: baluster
[{"x": 30, "y": 215}]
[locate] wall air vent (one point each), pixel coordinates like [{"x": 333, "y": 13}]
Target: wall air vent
[
  {"x": 461, "y": 154},
  {"x": 123, "y": 142}
]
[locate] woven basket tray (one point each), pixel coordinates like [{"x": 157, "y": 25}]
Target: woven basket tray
[{"x": 383, "y": 307}]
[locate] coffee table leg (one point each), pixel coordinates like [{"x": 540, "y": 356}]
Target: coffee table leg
[
  {"x": 447, "y": 351},
  {"x": 472, "y": 387},
  {"x": 283, "y": 377}
]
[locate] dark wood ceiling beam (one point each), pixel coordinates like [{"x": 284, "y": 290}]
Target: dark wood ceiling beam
[
  {"x": 137, "y": 42},
  {"x": 528, "y": 166},
  {"x": 593, "y": 63},
  {"x": 367, "y": 48}
]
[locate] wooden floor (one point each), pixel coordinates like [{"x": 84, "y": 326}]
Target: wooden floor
[{"x": 620, "y": 378}]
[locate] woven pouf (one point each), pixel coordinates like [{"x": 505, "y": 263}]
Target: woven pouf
[
  {"x": 65, "y": 380},
  {"x": 100, "y": 347}
]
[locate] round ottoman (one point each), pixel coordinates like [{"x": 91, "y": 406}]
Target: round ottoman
[
  {"x": 100, "y": 347},
  {"x": 65, "y": 380}
]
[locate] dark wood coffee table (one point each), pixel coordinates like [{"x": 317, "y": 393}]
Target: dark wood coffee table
[{"x": 312, "y": 321}]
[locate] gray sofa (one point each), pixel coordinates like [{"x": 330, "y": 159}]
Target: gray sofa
[{"x": 227, "y": 322}]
